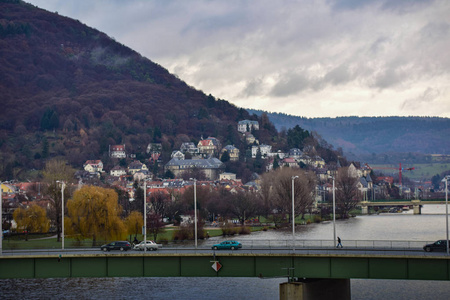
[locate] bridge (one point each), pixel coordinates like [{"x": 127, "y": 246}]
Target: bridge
[
  {"x": 309, "y": 276},
  {"x": 416, "y": 204}
]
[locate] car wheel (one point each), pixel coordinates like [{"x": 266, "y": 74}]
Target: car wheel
[
  {"x": 104, "y": 249},
  {"x": 232, "y": 248},
  {"x": 428, "y": 249},
  {"x": 215, "y": 248},
  {"x": 121, "y": 249}
]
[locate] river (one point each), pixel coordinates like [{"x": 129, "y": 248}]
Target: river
[{"x": 429, "y": 226}]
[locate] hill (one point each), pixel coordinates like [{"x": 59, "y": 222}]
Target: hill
[
  {"x": 69, "y": 90},
  {"x": 374, "y": 135}
]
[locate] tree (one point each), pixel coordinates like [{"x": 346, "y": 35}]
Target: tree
[
  {"x": 31, "y": 219},
  {"x": 346, "y": 192},
  {"x": 281, "y": 194},
  {"x": 225, "y": 157},
  {"x": 155, "y": 225},
  {"x": 134, "y": 223},
  {"x": 296, "y": 137},
  {"x": 244, "y": 205},
  {"x": 94, "y": 212},
  {"x": 57, "y": 170}
]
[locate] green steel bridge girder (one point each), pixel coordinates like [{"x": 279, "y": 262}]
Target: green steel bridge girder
[{"x": 233, "y": 265}]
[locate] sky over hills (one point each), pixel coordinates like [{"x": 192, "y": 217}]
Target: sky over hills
[{"x": 322, "y": 58}]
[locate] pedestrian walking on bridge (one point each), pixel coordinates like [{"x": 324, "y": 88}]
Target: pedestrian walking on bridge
[{"x": 339, "y": 244}]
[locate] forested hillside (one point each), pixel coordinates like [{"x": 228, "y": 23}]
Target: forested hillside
[
  {"x": 367, "y": 135},
  {"x": 69, "y": 90}
]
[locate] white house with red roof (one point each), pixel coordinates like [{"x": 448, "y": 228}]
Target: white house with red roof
[
  {"x": 93, "y": 166},
  {"x": 117, "y": 151}
]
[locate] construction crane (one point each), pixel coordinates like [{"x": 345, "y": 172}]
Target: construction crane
[{"x": 400, "y": 170}]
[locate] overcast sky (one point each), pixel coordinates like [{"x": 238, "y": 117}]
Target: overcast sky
[{"x": 312, "y": 58}]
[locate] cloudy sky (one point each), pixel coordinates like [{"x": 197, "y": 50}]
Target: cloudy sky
[{"x": 312, "y": 58}]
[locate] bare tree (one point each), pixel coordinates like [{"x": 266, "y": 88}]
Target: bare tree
[
  {"x": 346, "y": 192},
  {"x": 281, "y": 195},
  {"x": 57, "y": 170},
  {"x": 244, "y": 205}
]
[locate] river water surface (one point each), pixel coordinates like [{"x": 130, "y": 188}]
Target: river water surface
[{"x": 429, "y": 226}]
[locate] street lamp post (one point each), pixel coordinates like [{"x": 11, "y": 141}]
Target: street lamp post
[
  {"x": 334, "y": 211},
  {"x": 145, "y": 216},
  {"x": 195, "y": 212},
  {"x": 63, "y": 185},
  {"x": 293, "y": 214},
  {"x": 1, "y": 219},
  {"x": 446, "y": 211}
]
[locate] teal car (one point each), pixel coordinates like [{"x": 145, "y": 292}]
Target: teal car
[{"x": 227, "y": 245}]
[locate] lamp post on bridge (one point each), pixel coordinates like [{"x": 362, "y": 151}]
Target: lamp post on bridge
[
  {"x": 145, "y": 216},
  {"x": 63, "y": 185},
  {"x": 195, "y": 212},
  {"x": 293, "y": 214},
  {"x": 446, "y": 210},
  {"x": 334, "y": 211},
  {"x": 1, "y": 218}
]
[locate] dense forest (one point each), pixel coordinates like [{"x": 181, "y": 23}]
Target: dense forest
[
  {"x": 374, "y": 135},
  {"x": 71, "y": 91}
]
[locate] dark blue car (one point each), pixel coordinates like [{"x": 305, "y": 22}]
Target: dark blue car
[{"x": 230, "y": 245}]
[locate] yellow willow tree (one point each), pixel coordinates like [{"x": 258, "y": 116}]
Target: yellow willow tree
[
  {"x": 134, "y": 223},
  {"x": 94, "y": 213},
  {"x": 31, "y": 219}
]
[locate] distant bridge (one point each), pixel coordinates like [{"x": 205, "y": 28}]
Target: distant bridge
[{"x": 416, "y": 204}]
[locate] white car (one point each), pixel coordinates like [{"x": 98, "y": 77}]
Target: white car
[{"x": 151, "y": 245}]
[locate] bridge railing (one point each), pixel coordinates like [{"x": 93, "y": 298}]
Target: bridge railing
[{"x": 326, "y": 244}]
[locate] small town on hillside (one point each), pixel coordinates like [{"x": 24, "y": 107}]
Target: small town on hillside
[{"x": 203, "y": 163}]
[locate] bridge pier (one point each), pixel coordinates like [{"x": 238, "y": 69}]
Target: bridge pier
[
  {"x": 316, "y": 289},
  {"x": 417, "y": 209},
  {"x": 364, "y": 208}
]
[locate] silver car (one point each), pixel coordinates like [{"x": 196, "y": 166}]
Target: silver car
[{"x": 150, "y": 245}]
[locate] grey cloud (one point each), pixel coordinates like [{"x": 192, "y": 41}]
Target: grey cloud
[
  {"x": 290, "y": 84},
  {"x": 427, "y": 96},
  {"x": 338, "y": 75},
  {"x": 253, "y": 87}
]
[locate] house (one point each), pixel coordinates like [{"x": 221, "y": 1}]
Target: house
[
  {"x": 263, "y": 149},
  {"x": 189, "y": 147},
  {"x": 117, "y": 151},
  {"x": 154, "y": 148},
  {"x": 177, "y": 154},
  {"x": 318, "y": 162},
  {"x": 136, "y": 166},
  {"x": 227, "y": 176},
  {"x": 117, "y": 171},
  {"x": 233, "y": 152},
  {"x": 141, "y": 175},
  {"x": 247, "y": 126},
  {"x": 209, "y": 147},
  {"x": 93, "y": 166},
  {"x": 289, "y": 162},
  {"x": 250, "y": 138},
  {"x": 212, "y": 167},
  {"x": 295, "y": 153}
]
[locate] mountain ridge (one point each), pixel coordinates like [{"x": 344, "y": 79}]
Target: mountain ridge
[{"x": 366, "y": 135}]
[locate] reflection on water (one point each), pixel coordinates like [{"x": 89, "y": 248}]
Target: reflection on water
[
  {"x": 204, "y": 288},
  {"x": 405, "y": 226}
]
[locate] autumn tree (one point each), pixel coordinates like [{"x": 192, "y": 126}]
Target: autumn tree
[
  {"x": 346, "y": 192},
  {"x": 134, "y": 223},
  {"x": 94, "y": 212},
  {"x": 31, "y": 219},
  {"x": 55, "y": 172}
]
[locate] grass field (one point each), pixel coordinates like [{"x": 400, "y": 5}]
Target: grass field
[{"x": 420, "y": 172}]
